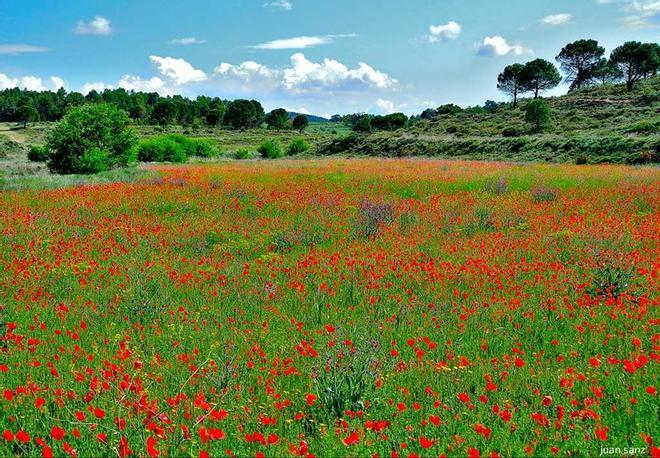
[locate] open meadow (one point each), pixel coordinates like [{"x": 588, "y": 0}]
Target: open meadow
[{"x": 363, "y": 307}]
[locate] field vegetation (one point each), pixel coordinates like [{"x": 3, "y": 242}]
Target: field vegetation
[{"x": 332, "y": 308}]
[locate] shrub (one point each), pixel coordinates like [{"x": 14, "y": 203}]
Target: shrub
[
  {"x": 241, "y": 154},
  {"x": 644, "y": 127},
  {"x": 510, "y": 132},
  {"x": 161, "y": 149},
  {"x": 91, "y": 138},
  {"x": 201, "y": 147},
  {"x": 581, "y": 160},
  {"x": 297, "y": 146},
  {"x": 39, "y": 154},
  {"x": 271, "y": 149},
  {"x": 537, "y": 113}
]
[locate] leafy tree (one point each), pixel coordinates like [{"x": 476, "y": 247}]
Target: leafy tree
[
  {"x": 90, "y": 139},
  {"x": 449, "y": 109},
  {"x": 244, "y": 114},
  {"x": 389, "y": 122},
  {"x": 278, "y": 119},
  {"x": 214, "y": 112},
  {"x": 164, "y": 112},
  {"x": 25, "y": 112},
  {"x": 539, "y": 75},
  {"x": 606, "y": 71},
  {"x": 579, "y": 60},
  {"x": 636, "y": 60},
  {"x": 429, "y": 114},
  {"x": 300, "y": 123},
  {"x": 510, "y": 81},
  {"x": 490, "y": 106},
  {"x": 363, "y": 124},
  {"x": 538, "y": 113},
  {"x": 336, "y": 118}
]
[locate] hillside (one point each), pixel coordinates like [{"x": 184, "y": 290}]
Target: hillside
[{"x": 599, "y": 124}]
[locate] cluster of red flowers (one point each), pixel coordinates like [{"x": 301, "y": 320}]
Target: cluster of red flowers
[{"x": 333, "y": 308}]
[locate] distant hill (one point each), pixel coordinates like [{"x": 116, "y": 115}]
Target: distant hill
[
  {"x": 312, "y": 118},
  {"x": 598, "y": 124}
]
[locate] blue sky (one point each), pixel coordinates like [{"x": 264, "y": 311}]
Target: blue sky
[{"x": 308, "y": 55}]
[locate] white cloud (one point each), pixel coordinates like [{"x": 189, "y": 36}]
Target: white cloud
[
  {"x": 643, "y": 14},
  {"x": 188, "y": 41},
  {"x": 97, "y": 26},
  {"x": 305, "y": 76},
  {"x": 178, "y": 70},
  {"x": 443, "y": 32},
  {"x": 135, "y": 83},
  {"x": 386, "y": 105},
  {"x": 280, "y": 4},
  {"x": 98, "y": 87},
  {"x": 301, "y": 42},
  {"x": 557, "y": 19},
  {"x": 57, "y": 82},
  {"x": 31, "y": 83},
  {"x": 18, "y": 48},
  {"x": 301, "y": 110},
  {"x": 498, "y": 46}
]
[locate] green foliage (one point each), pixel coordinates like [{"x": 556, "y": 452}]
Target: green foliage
[
  {"x": 90, "y": 139},
  {"x": 579, "y": 61},
  {"x": 538, "y": 113},
  {"x": 389, "y": 122},
  {"x": 636, "y": 60},
  {"x": 297, "y": 146},
  {"x": 539, "y": 75},
  {"x": 300, "y": 122},
  {"x": 241, "y": 154},
  {"x": 510, "y": 132},
  {"x": 363, "y": 124},
  {"x": 510, "y": 81},
  {"x": 38, "y": 153},
  {"x": 161, "y": 149},
  {"x": 651, "y": 126},
  {"x": 174, "y": 148},
  {"x": 278, "y": 119},
  {"x": 244, "y": 114},
  {"x": 271, "y": 149}
]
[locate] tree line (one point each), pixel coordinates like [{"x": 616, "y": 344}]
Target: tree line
[
  {"x": 19, "y": 105},
  {"x": 583, "y": 63}
]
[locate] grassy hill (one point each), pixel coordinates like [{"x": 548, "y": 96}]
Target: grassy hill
[{"x": 599, "y": 124}]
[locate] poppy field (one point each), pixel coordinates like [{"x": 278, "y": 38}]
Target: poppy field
[{"x": 364, "y": 307}]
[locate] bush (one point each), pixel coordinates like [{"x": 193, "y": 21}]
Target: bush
[
  {"x": 161, "y": 149},
  {"x": 581, "y": 160},
  {"x": 537, "y": 113},
  {"x": 271, "y": 149},
  {"x": 510, "y": 132},
  {"x": 297, "y": 146},
  {"x": 644, "y": 127},
  {"x": 242, "y": 154},
  {"x": 39, "y": 154},
  {"x": 174, "y": 148},
  {"x": 91, "y": 138}
]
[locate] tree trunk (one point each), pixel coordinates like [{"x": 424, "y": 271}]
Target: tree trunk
[{"x": 515, "y": 97}]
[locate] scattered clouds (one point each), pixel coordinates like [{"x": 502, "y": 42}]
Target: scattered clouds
[
  {"x": 280, "y": 4},
  {"x": 188, "y": 41},
  {"x": 643, "y": 14},
  {"x": 178, "y": 70},
  {"x": 386, "y": 105},
  {"x": 498, "y": 46},
  {"x": 18, "y": 48},
  {"x": 306, "y": 77},
  {"x": 639, "y": 14},
  {"x": 557, "y": 19},
  {"x": 444, "y": 32},
  {"x": 301, "y": 42},
  {"x": 97, "y": 26},
  {"x": 31, "y": 83}
]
